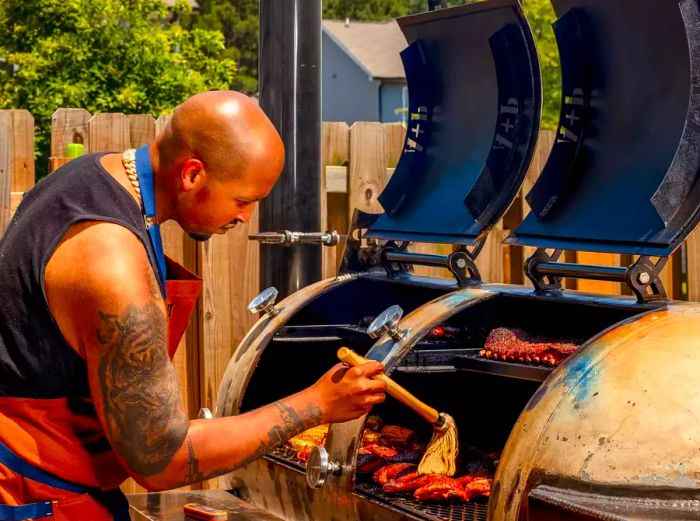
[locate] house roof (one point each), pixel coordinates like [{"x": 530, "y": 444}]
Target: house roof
[{"x": 375, "y": 46}]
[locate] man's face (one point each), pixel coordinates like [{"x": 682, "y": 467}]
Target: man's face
[{"x": 218, "y": 205}]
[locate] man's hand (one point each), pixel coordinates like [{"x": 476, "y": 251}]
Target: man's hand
[{"x": 345, "y": 393}]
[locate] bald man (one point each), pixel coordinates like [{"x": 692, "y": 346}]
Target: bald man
[{"x": 88, "y": 394}]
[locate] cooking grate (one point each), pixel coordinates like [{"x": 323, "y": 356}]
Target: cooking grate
[
  {"x": 285, "y": 454},
  {"x": 475, "y": 510}
]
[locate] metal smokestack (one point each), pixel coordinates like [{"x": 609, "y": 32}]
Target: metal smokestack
[{"x": 290, "y": 94}]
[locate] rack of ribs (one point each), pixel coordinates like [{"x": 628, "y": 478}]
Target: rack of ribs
[{"x": 515, "y": 345}]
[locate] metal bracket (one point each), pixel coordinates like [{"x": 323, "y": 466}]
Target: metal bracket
[
  {"x": 396, "y": 259},
  {"x": 642, "y": 277}
]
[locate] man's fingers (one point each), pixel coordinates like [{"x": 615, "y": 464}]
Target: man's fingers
[
  {"x": 376, "y": 386},
  {"x": 371, "y": 369},
  {"x": 375, "y": 399}
]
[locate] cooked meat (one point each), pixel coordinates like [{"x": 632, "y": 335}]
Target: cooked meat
[
  {"x": 314, "y": 437},
  {"x": 467, "y": 478},
  {"x": 394, "y": 471},
  {"x": 442, "y": 491},
  {"x": 368, "y": 463},
  {"x": 413, "y": 481},
  {"x": 397, "y": 436},
  {"x": 303, "y": 454},
  {"x": 382, "y": 451},
  {"x": 370, "y": 436},
  {"x": 479, "y": 487},
  {"x": 515, "y": 345}
]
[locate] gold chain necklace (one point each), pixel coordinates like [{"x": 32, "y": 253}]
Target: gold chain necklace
[{"x": 129, "y": 162}]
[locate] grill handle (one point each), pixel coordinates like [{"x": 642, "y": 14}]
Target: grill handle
[{"x": 425, "y": 411}]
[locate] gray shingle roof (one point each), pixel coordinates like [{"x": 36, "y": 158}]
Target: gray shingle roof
[{"x": 375, "y": 45}]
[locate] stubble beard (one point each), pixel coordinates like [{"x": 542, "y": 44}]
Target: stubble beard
[{"x": 199, "y": 237}]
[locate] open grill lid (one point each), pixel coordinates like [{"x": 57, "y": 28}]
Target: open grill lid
[
  {"x": 474, "y": 109},
  {"x": 622, "y": 175}
]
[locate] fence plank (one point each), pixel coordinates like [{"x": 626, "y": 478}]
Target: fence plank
[
  {"x": 516, "y": 255},
  {"x": 6, "y": 168},
  {"x": 23, "y": 150},
  {"x": 142, "y": 129},
  {"x": 16, "y": 159},
  {"x": 395, "y": 138},
  {"x": 162, "y": 122},
  {"x": 367, "y": 169},
  {"x": 335, "y": 151},
  {"x": 69, "y": 126},
  {"x": 109, "y": 133},
  {"x": 230, "y": 269},
  {"x": 692, "y": 248}
]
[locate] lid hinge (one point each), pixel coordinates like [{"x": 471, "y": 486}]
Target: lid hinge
[
  {"x": 642, "y": 277},
  {"x": 396, "y": 259}
]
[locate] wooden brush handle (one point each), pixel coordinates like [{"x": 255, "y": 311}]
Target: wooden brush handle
[{"x": 426, "y": 412}]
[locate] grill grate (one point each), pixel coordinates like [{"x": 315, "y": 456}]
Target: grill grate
[{"x": 475, "y": 510}]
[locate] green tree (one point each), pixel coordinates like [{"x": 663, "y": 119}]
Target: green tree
[
  {"x": 540, "y": 16},
  {"x": 103, "y": 55},
  {"x": 238, "y": 21}
]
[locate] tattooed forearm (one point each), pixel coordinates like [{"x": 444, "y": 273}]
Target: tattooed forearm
[
  {"x": 139, "y": 388},
  {"x": 293, "y": 422}
]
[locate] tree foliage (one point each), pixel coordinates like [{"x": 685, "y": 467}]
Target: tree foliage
[
  {"x": 238, "y": 21},
  {"x": 540, "y": 16},
  {"x": 103, "y": 55}
]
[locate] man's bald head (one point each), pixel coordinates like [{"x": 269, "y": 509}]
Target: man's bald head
[{"x": 227, "y": 131}]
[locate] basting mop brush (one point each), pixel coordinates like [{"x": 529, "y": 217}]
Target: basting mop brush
[{"x": 441, "y": 454}]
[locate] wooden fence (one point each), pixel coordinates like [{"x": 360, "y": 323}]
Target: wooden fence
[{"x": 359, "y": 161}]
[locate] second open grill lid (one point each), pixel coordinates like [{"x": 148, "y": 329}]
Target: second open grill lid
[
  {"x": 474, "y": 108},
  {"x": 622, "y": 175}
]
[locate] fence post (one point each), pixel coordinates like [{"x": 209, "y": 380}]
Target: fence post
[
  {"x": 109, "y": 132},
  {"x": 367, "y": 170},
  {"x": 142, "y": 129},
  {"x": 69, "y": 126},
  {"x": 335, "y": 151},
  {"x": 16, "y": 160}
]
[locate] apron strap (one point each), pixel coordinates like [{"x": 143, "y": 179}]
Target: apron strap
[
  {"x": 18, "y": 465},
  {"x": 114, "y": 500},
  {"x": 28, "y": 511}
]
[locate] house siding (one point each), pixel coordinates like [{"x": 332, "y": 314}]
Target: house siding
[
  {"x": 348, "y": 93},
  {"x": 392, "y": 99}
]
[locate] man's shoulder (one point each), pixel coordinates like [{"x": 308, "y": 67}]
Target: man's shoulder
[{"x": 100, "y": 253}]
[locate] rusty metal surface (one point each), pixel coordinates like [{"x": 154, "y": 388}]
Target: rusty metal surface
[
  {"x": 167, "y": 506},
  {"x": 622, "y": 412}
]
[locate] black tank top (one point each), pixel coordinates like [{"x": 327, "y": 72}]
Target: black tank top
[{"x": 35, "y": 359}]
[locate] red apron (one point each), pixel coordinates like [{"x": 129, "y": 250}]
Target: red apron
[{"x": 42, "y": 439}]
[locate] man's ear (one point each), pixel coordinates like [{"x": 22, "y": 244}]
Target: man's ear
[{"x": 192, "y": 175}]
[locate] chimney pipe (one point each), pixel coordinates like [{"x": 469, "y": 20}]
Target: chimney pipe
[{"x": 290, "y": 94}]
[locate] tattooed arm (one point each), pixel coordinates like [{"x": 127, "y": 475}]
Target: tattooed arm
[{"x": 107, "y": 303}]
